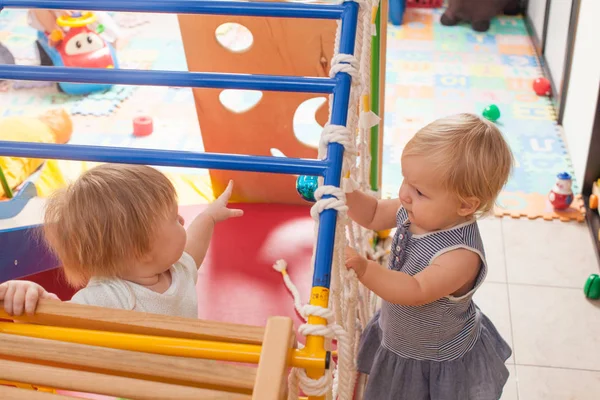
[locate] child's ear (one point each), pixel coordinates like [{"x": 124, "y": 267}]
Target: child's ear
[{"x": 468, "y": 206}]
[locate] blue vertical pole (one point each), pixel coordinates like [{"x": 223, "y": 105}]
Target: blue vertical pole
[
  {"x": 335, "y": 151},
  {"x": 319, "y": 295}
]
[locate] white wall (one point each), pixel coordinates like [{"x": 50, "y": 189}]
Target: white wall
[
  {"x": 556, "y": 41},
  {"x": 536, "y": 9},
  {"x": 584, "y": 83}
]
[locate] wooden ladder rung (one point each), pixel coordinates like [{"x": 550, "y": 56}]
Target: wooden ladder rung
[
  {"x": 71, "y": 315},
  {"x": 91, "y": 382},
  {"x": 175, "y": 370}
]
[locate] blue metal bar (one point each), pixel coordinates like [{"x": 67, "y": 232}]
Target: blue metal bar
[
  {"x": 335, "y": 151},
  {"x": 169, "y": 78},
  {"x": 169, "y": 158},
  {"x": 212, "y": 7}
]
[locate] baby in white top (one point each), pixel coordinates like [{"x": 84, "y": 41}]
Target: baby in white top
[{"x": 117, "y": 231}]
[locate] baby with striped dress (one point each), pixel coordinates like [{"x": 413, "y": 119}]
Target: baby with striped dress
[{"x": 429, "y": 341}]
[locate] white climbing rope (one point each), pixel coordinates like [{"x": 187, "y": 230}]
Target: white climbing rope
[
  {"x": 281, "y": 266},
  {"x": 350, "y": 303}
]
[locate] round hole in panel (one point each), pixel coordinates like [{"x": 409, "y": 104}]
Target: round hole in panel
[
  {"x": 277, "y": 153},
  {"x": 234, "y": 37},
  {"x": 306, "y": 128},
  {"x": 239, "y": 101}
]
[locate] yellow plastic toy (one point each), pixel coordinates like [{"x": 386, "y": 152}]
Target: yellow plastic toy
[
  {"x": 70, "y": 21},
  {"x": 54, "y": 126}
]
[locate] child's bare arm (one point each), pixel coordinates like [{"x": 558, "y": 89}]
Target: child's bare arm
[
  {"x": 449, "y": 273},
  {"x": 371, "y": 213},
  {"x": 201, "y": 229},
  {"x": 198, "y": 237},
  {"x": 22, "y": 296},
  {"x": 45, "y": 20}
]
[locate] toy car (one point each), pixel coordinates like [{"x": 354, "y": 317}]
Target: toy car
[{"x": 79, "y": 47}]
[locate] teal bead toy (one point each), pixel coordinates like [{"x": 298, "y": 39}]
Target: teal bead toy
[
  {"x": 306, "y": 187},
  {"x": 492, "y": 113},
  {"x": 592, "y": 287}
]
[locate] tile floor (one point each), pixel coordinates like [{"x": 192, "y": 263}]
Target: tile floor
[{"x": 533, "y": 293}]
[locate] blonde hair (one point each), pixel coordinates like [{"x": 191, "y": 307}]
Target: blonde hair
[
  {"x": 469, "y": 154},
  {"x": 106, "y": 219}
]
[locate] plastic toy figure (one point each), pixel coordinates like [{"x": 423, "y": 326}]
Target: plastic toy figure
[
  {"x": 561, "y": 195},
  {"x": 73, "y": 43}
]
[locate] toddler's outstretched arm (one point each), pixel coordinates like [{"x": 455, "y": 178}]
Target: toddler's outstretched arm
[
  {"x": 201, "y": 229},
  {"x": 446, "y": 275},
  {"x": 371, "y": 213},
  {"x": 19, "y": 296}
]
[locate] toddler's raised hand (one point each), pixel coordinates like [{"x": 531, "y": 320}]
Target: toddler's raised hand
[
  {"x": 218, "y": 209},
  {"x": 19, "y": 296},
  {"x": 356, "y": 262}
]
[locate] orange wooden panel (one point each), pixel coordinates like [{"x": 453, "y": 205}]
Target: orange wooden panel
[{"x": 280, "y": 46}]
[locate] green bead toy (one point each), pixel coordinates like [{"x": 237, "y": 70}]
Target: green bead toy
[
  {"x": 492, "y": 113},
  {"x": 592, "y": 287},
  {"x": 306, "y": 186}
]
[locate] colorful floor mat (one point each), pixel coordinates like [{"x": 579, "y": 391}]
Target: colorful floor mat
[{"x": 434, "y": 70}]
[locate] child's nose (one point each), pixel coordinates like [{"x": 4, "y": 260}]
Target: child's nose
[{"x": 404, "y": 195}]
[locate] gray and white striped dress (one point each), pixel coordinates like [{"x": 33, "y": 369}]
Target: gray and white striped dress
[{"x": 444, "y": 350}]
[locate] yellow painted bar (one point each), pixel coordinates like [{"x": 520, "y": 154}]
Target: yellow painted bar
[
  {"x": 374, "y": 14},
  {"x": 17, "y": 384},
  {"x": 366, "y": 103},
  {"x": 26, "y": 386},
  {"x": 221, "y": 351},
  {"x": 315, "y": 345}
]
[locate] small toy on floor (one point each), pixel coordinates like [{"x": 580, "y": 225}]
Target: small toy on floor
[
  {"x": 491, "y": 113},
  {"x": 142, "y": 126},
  {"x": 542, "y": 87},
  {"x": 561, "y": 194},
  {"x": 479, "y": 13},
  {"x": 591, "y": 289},
  {"x": 73, "y": 40}
]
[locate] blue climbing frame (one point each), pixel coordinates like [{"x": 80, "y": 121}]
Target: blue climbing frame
[{"x": 330, "y": 168}]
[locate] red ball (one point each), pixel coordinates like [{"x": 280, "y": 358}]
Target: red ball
[{"x": 542, "y": 87}]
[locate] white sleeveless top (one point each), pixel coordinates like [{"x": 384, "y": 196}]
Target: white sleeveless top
[{"x": 447, "y": 328}]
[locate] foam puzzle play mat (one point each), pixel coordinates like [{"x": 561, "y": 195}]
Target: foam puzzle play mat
[
  {"x": 435, "y": 70},
  {"x": 432, "y": 70}
]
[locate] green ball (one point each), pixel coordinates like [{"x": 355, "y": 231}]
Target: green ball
[
  {"x": 492, "y": 112},
  {"x": 592, "y": 287},
  {"x": 306, "y": 187}
]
